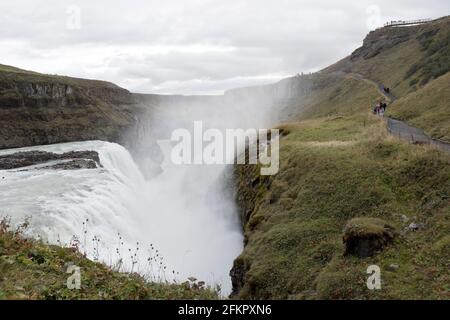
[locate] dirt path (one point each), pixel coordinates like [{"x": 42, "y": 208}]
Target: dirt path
[
  {"x": 398, "y": 128},
  {"x": 406, "y": 132},
  {"x": 380, "y": 87}
]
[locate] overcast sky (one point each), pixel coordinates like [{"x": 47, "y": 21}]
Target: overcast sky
[{"x": 195, "y": 46}]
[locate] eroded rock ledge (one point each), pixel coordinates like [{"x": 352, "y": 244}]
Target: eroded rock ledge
[{"x": 66, "y": 161}]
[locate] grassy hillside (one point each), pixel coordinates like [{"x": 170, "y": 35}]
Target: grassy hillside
[
  {"x": 404, "y": 58},
  {"x": 339, "y": 167},
  {"x": 427, "y": 108},
  {"x": 16, "y": 74},
  {"x": 414, "y": 63},
  {"x": 30, "y": 269},
  {"x": 332, "y": 170},
  {"x": 343, "y": 96}
]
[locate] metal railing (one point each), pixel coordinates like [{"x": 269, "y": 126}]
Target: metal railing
[{"x": 395, "y": 23}]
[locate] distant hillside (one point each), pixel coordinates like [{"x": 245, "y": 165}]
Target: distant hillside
[
  {"x": 407, "y": 60},
  {"x": 41, "y": 109},
  {"x": 402, "y": 58},
  {"x": 412, "y": 62}
]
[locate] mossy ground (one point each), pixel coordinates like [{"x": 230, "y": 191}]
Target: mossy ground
[
  {"x": 334, "y": 169},
  {"x": 30, "y": 269}
]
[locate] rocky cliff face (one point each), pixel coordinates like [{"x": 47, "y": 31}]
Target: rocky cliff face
[
  {"x": 21, "y": 94},
  {"x": 278, "y": 100},
  {"x": 380, "y": 40},
  {"x": 40, "y": 109}
]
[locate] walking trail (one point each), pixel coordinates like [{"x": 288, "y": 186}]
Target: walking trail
[{"x": 398, "y": 128}]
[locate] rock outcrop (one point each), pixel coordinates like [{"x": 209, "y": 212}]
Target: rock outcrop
[
  {"x": 237, "y": 274},
  {"x": 381, "y": 40},
  {"x": 65, "y": 161}
]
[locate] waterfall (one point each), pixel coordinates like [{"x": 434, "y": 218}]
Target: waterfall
[
  {"x": 182, "y": 213},
  {"x": 124, "y": 212}
]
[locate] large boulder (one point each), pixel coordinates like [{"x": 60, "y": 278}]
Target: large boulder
[{"x": 364, "y": 237}]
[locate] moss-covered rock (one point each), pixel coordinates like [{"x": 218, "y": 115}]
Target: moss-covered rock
[{"x": 366, "y": 236}]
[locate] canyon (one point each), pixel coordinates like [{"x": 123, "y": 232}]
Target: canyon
[{"x": 283, "y": 236}]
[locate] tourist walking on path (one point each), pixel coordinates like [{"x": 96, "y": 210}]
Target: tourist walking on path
[{"x": 380, "y": 108}]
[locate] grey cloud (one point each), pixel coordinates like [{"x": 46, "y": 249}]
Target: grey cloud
[{"x": 267, "y": 39}]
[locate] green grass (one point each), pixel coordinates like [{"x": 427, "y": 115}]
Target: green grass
[
  {"x": 360, "y": 227},
  {"x": 333, "y": 170},
  {"x": 423, "y": 56},
  {"x": 9, "y": 73},
  {"x": 31, "y": 269},
  {"x": 436, "y": 62},
  {"x": 5, "y": 68},
  {"x": 427, "y": 108},
  {"x": 341, "y": 96}
]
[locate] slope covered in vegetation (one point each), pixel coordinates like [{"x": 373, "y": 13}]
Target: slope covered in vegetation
[
  {"x": 31, "y": 269},
  {"x": 333, "y": 170},
  {"x": 427, "y": 108},
  {"x": 339, "y": 166},
  {"x": 414, "y": 63}
]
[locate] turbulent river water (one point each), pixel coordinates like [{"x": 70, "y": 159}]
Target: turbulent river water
[{"x": 115, "y": 213}]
